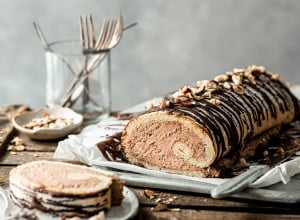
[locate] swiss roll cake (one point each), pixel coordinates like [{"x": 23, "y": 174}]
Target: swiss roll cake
[
  {"x": 64, "y": 189},
  {"x": 192, "y": 129}
]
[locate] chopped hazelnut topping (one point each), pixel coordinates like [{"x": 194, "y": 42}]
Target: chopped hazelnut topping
[
  {"x": 226, "y": 85},
  {"x": 188, "y": 103},
  {"x": 208, "y": 94},
  {"x": 229, "y": 73},
  {"x": 238, "y": 89},
  {"x": 215, "y": 101},
  {"x": 236, "y": 79},
  {"x": 251, "y": 78},
  {"x": 247, "y": 72},
  {"x": 183, "y": 99},
  {"x": 200, "y": 86},
  {"x": 198, "y": 97},
  {"x": 221, "y": 78},
  {"x": 275, "y": 76},
  {"x": 261, "y": 69},
  {"x": 185, "y": 89},
  {"x": 236, "y": 70},
  {"x": 189, "y": 95},
  {"x": 211, "y": 85}
]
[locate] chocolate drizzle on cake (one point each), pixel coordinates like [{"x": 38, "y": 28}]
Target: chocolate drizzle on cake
[
  {"x": 231, "y": 104},
  {"x": 191, "y": 130}
]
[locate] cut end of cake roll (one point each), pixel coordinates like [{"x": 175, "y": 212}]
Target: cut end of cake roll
[
  {"x": 171, "y": 141},
  {"x": 64, "y": 189}
]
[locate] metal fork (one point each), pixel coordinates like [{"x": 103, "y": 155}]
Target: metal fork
[{"x": 109, "y": 36}]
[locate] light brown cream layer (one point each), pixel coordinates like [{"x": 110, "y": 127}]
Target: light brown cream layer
[
  {"x": 60, "y": 178},
  {"x": 168, "y": 141}
]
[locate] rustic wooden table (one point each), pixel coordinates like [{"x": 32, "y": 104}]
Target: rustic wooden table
[{"x": 183, "y": 205}]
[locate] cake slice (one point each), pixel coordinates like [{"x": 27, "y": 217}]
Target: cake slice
[
  {"x": 64, "y": 189},
  {"x": 191, "y": 130}
]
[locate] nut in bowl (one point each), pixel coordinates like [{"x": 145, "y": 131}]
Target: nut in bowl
[{"x": 48, "y": 123}]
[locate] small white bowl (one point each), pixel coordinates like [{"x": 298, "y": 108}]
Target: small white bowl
[{"x": 48, "y": 133}]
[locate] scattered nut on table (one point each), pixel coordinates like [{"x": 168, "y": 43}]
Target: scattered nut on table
[
  {"x": 16, "y": 144},
  {"x": 161, "y": 200}
]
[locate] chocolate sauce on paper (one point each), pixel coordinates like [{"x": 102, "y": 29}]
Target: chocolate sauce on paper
[{"x": 111, "y": 148}]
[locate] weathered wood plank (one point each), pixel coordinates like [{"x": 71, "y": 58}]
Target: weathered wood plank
[
  {"x": 200, "y": 201},
  {"x": 21, "y": 157},
  {"x": 36, "y": 145},
  {"x": 146, "y": 213}
]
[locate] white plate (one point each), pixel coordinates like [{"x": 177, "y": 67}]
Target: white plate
[
  {"x": 48, "y": 134},
  {"x": 126, "y": 210}
]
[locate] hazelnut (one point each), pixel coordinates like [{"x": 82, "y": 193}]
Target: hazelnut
[
  {"x": 261, "y": 69},
  {"x": 198, "y": 97},
  {"x": 200, "y": 86},
  {"x": 208, "y": 94},
  {"x": 237, "y": 70},
  {"x": 226, "y": 85},
  {"x": 175, "y": 94},
  {"x": 236, "y": 79},
  {"x": 247, "y": 72},
  {"x": 184, "y": 89},
  {"x": 215, "y": 101},
  {"x": 238, "y": 89},
  {"x": 189, "y": 95},
  {"x": 211, "y": 85},
  {"x": 229, "y": 73},
  {"x": 221, "y": 78},
  {"x": 275, "y": 76},
  {"x": 251, "y": 78}
]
